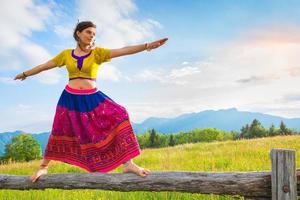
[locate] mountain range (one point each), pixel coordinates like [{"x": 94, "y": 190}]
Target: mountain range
[{"x": 225, "y": 119}]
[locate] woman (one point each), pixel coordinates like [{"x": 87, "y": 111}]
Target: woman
[{"x": 90, "y": 130}]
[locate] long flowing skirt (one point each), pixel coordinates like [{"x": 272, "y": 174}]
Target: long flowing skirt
[{"x": 91, "y": 131}]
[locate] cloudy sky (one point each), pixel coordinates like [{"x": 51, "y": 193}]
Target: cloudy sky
[{"x": 220, "y": 54}]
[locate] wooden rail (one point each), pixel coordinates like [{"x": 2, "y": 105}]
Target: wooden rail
[{"x": 282, "y": 183}]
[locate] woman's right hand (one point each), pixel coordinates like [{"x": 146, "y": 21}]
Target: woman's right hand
[{"x": 20, "y": 76}]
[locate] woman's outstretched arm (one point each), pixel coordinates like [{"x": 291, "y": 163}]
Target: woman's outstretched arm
[
  {"x": 45, "y": 66},
  {"x": 136, "y": 48}
]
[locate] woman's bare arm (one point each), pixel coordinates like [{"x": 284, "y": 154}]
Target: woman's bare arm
[
  {"x": 42, "y": 67},
  {"x": 136, "y": 48}
]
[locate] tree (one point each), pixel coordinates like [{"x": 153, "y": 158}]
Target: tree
[
  {"x": 153, "y": 138},
  {"x": 284, "y": 130},
  {"x": 171, "y": 140},
  {"x": 256, "y": 129},
  {"x": 244, "y": 131},
  {"x": 23, "y": 147},
  {"x": 272, "y": 130}
]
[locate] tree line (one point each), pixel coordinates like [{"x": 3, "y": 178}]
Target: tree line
[
  {"x": 25, "y": 147},
  {"x": 256, "y": 130},
  {"x": 153, "y": 139}
]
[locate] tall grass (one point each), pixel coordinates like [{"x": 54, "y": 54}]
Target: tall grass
[{"x": 243, "y": 155}]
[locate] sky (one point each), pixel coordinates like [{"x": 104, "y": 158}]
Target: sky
[{"x": 220, "y": 54}]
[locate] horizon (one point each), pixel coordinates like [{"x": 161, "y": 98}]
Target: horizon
[
  {"x": 176, "y": 117},
  {"x": 218, "y": 56}
]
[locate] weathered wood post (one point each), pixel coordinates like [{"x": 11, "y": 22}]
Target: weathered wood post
[{"x": 283, "y": 175}]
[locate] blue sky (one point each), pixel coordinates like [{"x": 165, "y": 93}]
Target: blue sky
[{"x": 220, "y": 54}]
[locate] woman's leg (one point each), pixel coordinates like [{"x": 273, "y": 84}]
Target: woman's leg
[
  {"x": 45, "y": 163},
  {"x": 129, "y": 166},
  {"x": 42, "y": 170}
]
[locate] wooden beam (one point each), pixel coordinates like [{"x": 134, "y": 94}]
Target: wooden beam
[
  {"x": 251, "y": 185},
  {"x": 254, "y": 184}
]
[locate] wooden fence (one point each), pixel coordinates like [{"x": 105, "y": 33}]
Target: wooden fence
[{"x": 282, "y": 183}]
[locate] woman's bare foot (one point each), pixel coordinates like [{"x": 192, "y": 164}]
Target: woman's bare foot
[
  {"x": 133, "y": 168},
  {"x": 42, "y": 171}
]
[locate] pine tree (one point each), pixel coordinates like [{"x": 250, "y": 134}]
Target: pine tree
[
  {"x": 272, "y": 130},
  {"x": 244, "y": 131},
  {"x": 256, "y": 129},
  {"x": 283, "y": 129},
  {"x": 152, "y": 138},
  {"x": 171, "y": 140}
]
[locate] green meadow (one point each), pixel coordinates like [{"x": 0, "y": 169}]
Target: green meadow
[{"x": 241, "y": 155}]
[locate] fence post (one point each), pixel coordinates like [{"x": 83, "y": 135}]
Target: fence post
[{"x": 283, "y": 175}]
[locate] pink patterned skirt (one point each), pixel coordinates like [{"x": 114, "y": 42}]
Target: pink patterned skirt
[{"x": 91, "y": 131}]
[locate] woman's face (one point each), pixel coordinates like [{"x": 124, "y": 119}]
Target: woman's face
[{"x": 87, "y": 36}]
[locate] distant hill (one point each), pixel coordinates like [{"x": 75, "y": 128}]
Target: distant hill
[{"x": 226, "y": 119}]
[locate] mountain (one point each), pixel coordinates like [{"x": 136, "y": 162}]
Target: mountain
[
  {"x": 43, "y": 139},
  {"x": 225, "y": 119}
]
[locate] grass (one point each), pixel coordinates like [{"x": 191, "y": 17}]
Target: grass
[{"x": 242, "y": 155}]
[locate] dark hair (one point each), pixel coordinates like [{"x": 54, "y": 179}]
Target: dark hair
[{"x": 81, "y": 26}]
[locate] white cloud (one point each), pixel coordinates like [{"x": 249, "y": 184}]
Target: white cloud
[
  {"x": 64, "y": 31},
  {"x": 115, "y": 22},
  {"x": 294, "y": 71},
  {"x": 139, "y": 111},
  {"x": 177, "y": 75},
  {"x": 49, "y": 77},
  {"x": 184, "y": 71},
  {"x": 249, "y": 73},
  {"x": 110, "y": 72},
  {"x": 10, "y": 63},
  {"x": 150, "y": 75},
  {"x": 28, "y": 118},
  {"x": 20, "y": 19},
  {"x": 34, "y": 53},
  {"x": 8, "y": 80}
]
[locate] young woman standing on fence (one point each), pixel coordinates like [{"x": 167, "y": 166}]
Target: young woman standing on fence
[{"x": 90, "y": 130}]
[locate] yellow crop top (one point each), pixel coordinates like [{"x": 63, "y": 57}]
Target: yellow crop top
[{"x": 82, "y": 66}]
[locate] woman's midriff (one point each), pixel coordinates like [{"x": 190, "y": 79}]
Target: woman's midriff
[{"x": 82, "y": 84}]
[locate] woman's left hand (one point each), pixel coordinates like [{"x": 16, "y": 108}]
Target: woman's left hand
[{"x": 155, "y": 44}]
